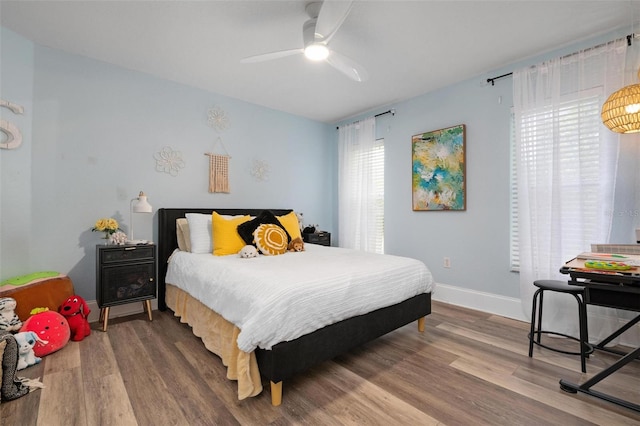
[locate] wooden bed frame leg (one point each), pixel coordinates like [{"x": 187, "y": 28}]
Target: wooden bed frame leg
[
  {"x": 421, "y": 322},
  {"x": 276, "y": 394}
]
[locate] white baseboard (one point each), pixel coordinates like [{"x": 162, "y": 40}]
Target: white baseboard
[
  {"x": 601, "y": 324},
  {"x": 509, "y": 307},
  {"x": 119, "y": 310}
]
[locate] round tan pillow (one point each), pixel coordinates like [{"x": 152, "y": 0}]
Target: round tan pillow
[{"x": 270, "y": 239}]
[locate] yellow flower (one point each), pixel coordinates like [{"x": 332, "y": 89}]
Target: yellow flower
[
  {"x": 109, "y": 225},
  {"x": 100, "y": 225},
  {"x": 112, "y": 225}
]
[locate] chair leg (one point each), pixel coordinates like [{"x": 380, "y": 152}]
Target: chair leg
[
  {"x": 533, "y": 322},
  {"x": 541, "y": 299},
  {"x": 582, "y": 318},
  {"x": 586, "y": 326}
]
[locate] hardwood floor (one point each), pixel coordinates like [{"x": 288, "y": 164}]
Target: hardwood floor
[{"x": 467, "y": 368}]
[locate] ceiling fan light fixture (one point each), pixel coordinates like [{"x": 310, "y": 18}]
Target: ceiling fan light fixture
[{"x": 316, "y": 52}]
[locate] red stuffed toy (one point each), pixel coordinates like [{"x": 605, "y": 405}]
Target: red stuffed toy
[
  {"x": 51, "y": 327},
  {"x": 76, "y": 311}
]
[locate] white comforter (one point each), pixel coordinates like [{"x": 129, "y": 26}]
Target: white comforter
[{"x": 273, "y": 299}]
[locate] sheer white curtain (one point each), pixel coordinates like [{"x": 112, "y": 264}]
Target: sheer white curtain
[
  {"x": 358, "y": 209},
  {"x": 566, "y": 165}
]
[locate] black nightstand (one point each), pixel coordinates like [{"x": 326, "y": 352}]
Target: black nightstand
[
  {"x": 125, "y": 274},
  {"x": 321, "y": 238}
]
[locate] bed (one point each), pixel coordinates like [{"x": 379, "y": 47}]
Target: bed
[{"x": 279, "y": 361}]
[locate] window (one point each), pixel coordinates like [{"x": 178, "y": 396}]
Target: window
[
  {"x": 575, "y": 169},
  {"x": 376, "y": 159},
  {"x": 372, "y": 159},
  {"x": 514, "y": 249},
  {"x": 361, "y": 187}
]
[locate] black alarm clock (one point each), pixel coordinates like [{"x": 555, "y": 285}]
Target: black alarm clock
[{"x": 309, "y": 230}]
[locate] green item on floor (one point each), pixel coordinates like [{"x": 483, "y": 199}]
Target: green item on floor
[{"x": 25, "y": 279}]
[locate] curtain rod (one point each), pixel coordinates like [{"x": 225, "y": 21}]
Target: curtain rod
[
  {"x": 392, "y": 111},
  {"x": 493, "y": 79}
]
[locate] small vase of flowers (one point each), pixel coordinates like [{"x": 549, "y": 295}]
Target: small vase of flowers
[{"x": 108, "y": 226}]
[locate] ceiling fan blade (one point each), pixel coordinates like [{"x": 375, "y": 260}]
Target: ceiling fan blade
[
  {"x": 347, "y": 66},
  {"x": 271, "y": 55},
  {"x": 332, "y": 15}
]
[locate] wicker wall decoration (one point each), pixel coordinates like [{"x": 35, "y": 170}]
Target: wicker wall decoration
[
  {"x": 260, "y": 170},
  {"x": 169, "y": 161},
  {"x": 218, "y": 173},
  {"x": 219, "y": 170},
  {"x": 217, "y": 119},
  {"x": 12, "y": 134}
]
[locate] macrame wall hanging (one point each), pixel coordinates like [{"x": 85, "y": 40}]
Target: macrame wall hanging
[
  {"x": 219, "y": 170},
  {"x": 218, "y": 163}
]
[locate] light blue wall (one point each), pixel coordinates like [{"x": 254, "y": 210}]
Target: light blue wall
[
  {"x": 95, "y": 129},
  {"x": 477, "y": 240},
  {"x": 16, "y": 69},
  {"x": 91, "y": 130}
]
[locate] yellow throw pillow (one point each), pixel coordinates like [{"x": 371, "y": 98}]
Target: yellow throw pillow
[
  {"x": 226, "y": 239},
  {"x": 291, "y": 224},
  {"x": 270, "y": 239}
]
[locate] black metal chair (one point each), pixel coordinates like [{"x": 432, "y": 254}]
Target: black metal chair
[{"x": 536, "y": 313}]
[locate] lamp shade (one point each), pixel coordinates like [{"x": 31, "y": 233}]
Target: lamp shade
[
  {"x": 621, "y": 111},
  {"x": 138, "y": 205},
  {"x": 142, "y": 206}
]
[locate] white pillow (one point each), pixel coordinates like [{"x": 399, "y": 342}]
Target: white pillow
[{"x": 200, "y": 232}]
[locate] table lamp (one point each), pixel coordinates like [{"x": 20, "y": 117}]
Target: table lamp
[{"x": 137, "y": 205}]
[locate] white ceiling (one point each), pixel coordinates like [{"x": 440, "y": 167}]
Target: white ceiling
[{"x": 408, "y": 47}]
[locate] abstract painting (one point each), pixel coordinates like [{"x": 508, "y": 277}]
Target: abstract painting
[{"x": 438, "y": 169}]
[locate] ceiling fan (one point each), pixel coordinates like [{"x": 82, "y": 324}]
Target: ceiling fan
[{"x": 325, "y": 18}]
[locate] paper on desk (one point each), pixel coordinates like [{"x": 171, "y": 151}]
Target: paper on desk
[{"x": 629, "y": 259}]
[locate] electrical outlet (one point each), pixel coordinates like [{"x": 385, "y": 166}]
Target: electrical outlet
[{"x": 447, "y": 262}]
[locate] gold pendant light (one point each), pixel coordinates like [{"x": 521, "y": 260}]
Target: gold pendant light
[{"x": 621, "y": 111}]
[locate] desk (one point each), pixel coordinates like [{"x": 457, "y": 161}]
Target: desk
[{"x": 620, "y": 291}]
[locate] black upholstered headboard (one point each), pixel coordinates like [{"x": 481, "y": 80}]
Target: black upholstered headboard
[{"x": 168, "y": 239}]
